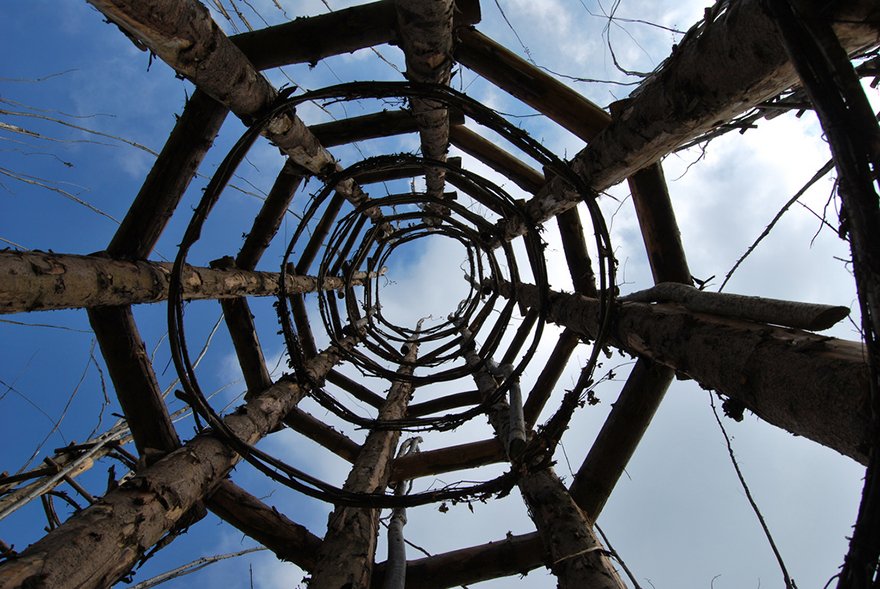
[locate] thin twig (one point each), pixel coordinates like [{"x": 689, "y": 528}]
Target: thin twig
[
  {"x": 823, "y": 171},
  {"x": 789, "y": 583}
]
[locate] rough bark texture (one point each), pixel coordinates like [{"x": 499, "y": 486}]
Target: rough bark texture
[
  {"x": 451, "y": 458},
  {"x": 40, "y": 281},
  {"x": 95, "y": 547},
  {"x": 809, "y": 385},
  {"x": 575, "y": 555},
  {"x": 572, "y": 551},
  {"x": 308, "y": 40},
  {"x": 349, "y": 547},
  {"x": 809, "y": 316},
  {"x": 185, "y": 37},
  {"x": 425, "y": 28},
  {"x": 736, "y": 62},
  {"x": 511, "y": 556}
]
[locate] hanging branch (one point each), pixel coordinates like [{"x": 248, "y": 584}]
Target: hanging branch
[{"x": 789, "y": 583}]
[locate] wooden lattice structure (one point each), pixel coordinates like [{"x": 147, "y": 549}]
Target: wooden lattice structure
[{"x": 759, "y": 354}]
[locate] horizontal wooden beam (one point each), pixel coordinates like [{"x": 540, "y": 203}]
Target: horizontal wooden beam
[
  {"x": 372, "y": 126},
  {"x": 810, "y": 385},
  {"x": 444, "y": 403},
  {"x": 530, "y": 84},
  {"x": 356, "y": 389},
  {"x": 311, "y": 39},
  {"x": 287, "y": 539},
  {"x": 515, "y": 555},
  {"x": 521, "y": 174},
  {"x": 183, "y": 34},
  {"x": 449, "y": 459},
  {"x": 32, "y": 281}
]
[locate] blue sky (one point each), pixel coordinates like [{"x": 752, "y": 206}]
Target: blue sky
[{"x": 678, "y": 517}]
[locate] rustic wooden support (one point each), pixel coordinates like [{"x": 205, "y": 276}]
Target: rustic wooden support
[
  {"x": 852, "y": 132},
  {"x": 444, "y": 403},
  {"x": 345, "y": 558},
  {"x": 809, "y": 316},
  {"x": 42, "y": 281},
  {"x": 269, "y": 219},
  {"x": 356, "y": 389},
  {"x": 734, "y": 63},
  {"x": 183, "y": 35},
  {"x": 133, "y": 378},
  {"x": 659, "y": 228},
  {"x": 807, "y": 384},
  {"x": 514, "y": 555},
  {"x": 533, "y": 86},
  {"x": 519, "y": 337},
  {"x": 174, "y": 168},
  {"x": 309, "y": 40},
  {"x": 100, "y": 544},
  {"x": 546, "y": 381},
  {"x": 620, "y": 435},
  {"x": 571, "y": 231},
  {"x": 425, "y": 28},
  {"x": 648, "y": 381},
  {"x": 449, "y": 459},
  {"x": 318, "y": 431},
  {"x": 287, "y": 539},
  {"x": 521, "y": 174},
  {"x": 319, "y": 233},
  {"x": 236, "y": 312},
  {"x": 576, "y": 557},
  {"x": 387, "y": 123},
  {"x": 303, "y": 326}
]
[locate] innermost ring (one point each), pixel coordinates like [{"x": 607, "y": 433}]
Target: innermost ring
[{"x": 425, "y": 280}]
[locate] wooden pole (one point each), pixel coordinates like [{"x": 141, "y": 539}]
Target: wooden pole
[
  {"x": 345, "y": 558},
  {"x": 574, "y": 554},
  {"x": 41, "y": 281},
  {"x": 734, "y": 63},
  {"x": 100, "y": 544},
  {"x": 809, "y": 385},
  {"x": 425, "y": 28}
]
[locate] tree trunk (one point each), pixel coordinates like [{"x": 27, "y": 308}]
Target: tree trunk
[
  {"x": 95, "y": 547},
  {"x": 810, "y": 385},
  {"x": 349, "y": 547},
  {"x": 425, "y": 28},
  {"x": 734, "y": 63},
  {"x": 574, "y": 554}
]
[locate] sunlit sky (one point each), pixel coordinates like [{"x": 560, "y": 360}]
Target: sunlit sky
[{"x": 678, "y": 517}]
